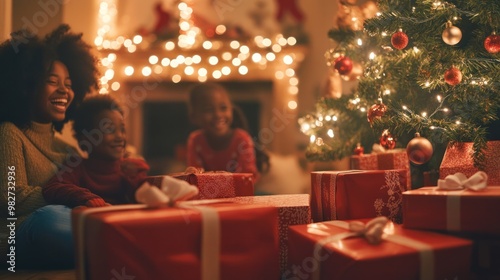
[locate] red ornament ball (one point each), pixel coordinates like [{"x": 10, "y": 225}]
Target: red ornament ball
[
  {"x": 359, "y": 150},
  {"x": 399, "y": 40},
  {"x": 343, "y": 65},
  {"x": 419, "y": 150},
  {"x": 387, "y": 140},
  {"x": 453, "y": 76},
  {"x": 492, "y": 43},
  {"x": 376, "y": 111}
]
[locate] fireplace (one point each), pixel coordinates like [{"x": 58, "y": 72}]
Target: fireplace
[{"x": 158, "y": 125}]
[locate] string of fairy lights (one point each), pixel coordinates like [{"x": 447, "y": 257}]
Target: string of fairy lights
[
  {"x": 191, "y": 56},
  {"x": 322, "y": 124}
]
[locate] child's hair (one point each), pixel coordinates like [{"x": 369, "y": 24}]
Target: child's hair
[
  {"x": 86, "y": 114},
  {"x": 261, "y": 156},
  {"x": 197, "y": 95},
  {"x": 25, "y": 62}
]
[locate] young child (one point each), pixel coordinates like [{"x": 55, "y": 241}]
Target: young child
[
  {"x": 217, "y": 145},
  {"x": 105, "y": 177}
]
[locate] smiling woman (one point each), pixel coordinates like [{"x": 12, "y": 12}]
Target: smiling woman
[{"x": 41, "y": 83}]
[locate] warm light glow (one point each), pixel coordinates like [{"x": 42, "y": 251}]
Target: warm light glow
[
  {"x": 207, "y": 45},
  {"x": 287, "y": 59},
  {"x": 276, "y": 48},
  {"x": 169, "y": 45},
  {"x": 109, "y": 74},
  {"x": 291, "y": 41},
  {"x": 279, "y": 75},
  {"x": 234, "y": 44},
  {"x": 294, "y": 81},
  {"x": 115, "y": 86},
  {"x": 226, "y": 70},
  {"x": 292, "y": 105},
  {"x": 290, "y": 72},
  {"x": 270, "y": 56},
  {"x": 129, "y": 70},
  {"x": 165, "y": 61},
  {"x": 360, "y": 42},
  {"x": 244, "y": 49},
  {"x": 137, "y": 39},
  {"x": 256, "y": 57},
  {"x": 243, "y": 70},
  {"x": 213, "y": 60},
  {"x": 227, "y": 56},
  {"x": 176, "y": 78},
  {"x": 236, "y": 62},
  {"x": 189, "y": 70},
  {"x": 146, "y": 71},
  {"x": 267, "y": 42},
  {"x": 293, "y": 90},
  {"x": 372, "y": 56},
  {"x": 202, "y": 72},
  {"x": 330, "y": 133},
  {"x": 157, "y": 69},
  {"x": 312, "y": 138},
  {"x": 220, "y": 29},
  {"x": 153, "y": 59},
  {"x": 217, "y": 74}
]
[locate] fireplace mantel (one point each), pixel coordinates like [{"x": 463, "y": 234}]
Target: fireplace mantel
[{"x": 155, "y": 66}]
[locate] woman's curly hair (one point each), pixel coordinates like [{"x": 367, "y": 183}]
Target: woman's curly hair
[{"x": 25, "y": 62}]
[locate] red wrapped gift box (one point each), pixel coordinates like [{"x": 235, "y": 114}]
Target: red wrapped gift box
[
  {"x": 458, "y": 158},
  {"x": 293, "y": 209},
  {"x": 402, "y": 254},
  {"x": 364, "y": 162},
  {"x": 355, "y": 194},
  {"x": 390, "y": 159},
  {"x": 455, "y": 211},
  {"x": 168, "y": 243},
  {"x": 215, "y": 184}
]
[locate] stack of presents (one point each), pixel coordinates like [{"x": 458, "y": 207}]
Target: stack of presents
[{"x": 364, "y": 223}]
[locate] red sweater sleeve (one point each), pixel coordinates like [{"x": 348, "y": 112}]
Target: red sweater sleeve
[
  {"x": 135, "y": 170},
  {"x": 64, "y": 188}
]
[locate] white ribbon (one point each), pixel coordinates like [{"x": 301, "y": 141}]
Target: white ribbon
[
  {"x": 456, "y": 184},
  {"x": 459, "y": 181},
  {"x": 373, "y": 231},
  {"x": 172, "y": 190}
]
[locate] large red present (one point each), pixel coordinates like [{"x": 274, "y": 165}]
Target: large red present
[
  {"x": 464, "y": 211},
  {"x": 356, "y": 194},
  {"x": 458, "y": 158},
  {"x": 293, "y": 209},
  {"x": 329, "y": 250},
  {"x": 199, "y": 241},
  {"x": 214, "y": 184}
]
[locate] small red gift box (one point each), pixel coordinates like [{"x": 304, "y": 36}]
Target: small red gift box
[
  {"x": 387, "y": 160},
  {"x": 214, "y": 184},
  {"x": 458, "y": 158},
  {"x": 356, "y": 194},
  {"x": 364, "y": 162},
  {"x": 464, "y": 211},
  {"x": 328, "y": 250},
  {"x": 293, "y": 209},
  {"x": 198, "y": 241}
]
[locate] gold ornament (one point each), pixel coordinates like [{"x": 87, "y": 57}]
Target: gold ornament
[
  {"x": 451, "y": 34},
  {"x": 419, "y": 150}
]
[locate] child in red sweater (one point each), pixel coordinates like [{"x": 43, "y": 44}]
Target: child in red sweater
[
  {"x": 106, "y": 177},
  {"x": 220, "y": 144}
]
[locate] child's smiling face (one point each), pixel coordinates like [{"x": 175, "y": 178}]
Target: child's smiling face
[
  {"x": 112, "y": 146},
  {"x": 215, "y": 113}
]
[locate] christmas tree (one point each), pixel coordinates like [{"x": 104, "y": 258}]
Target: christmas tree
[{"x": 427, "y": 66}]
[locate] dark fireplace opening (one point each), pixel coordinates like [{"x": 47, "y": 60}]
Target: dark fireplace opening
[{"x": 166, "y": 128}]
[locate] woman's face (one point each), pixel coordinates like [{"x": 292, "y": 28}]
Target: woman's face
[{"x": 55, "y": 97}]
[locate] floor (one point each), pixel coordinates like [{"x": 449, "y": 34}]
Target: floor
[{"x": 38, "y": 275}]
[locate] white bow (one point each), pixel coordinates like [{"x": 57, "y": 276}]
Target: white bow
[
  {"x": 170, "y": 191},
  {"x": 459, "y": 181},
  {"x": 372, "y": 230}
]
